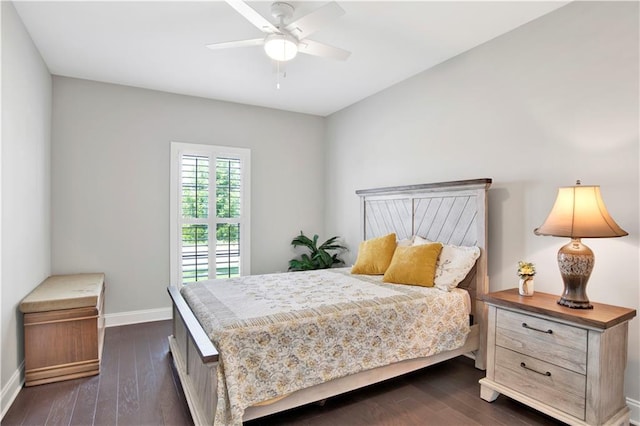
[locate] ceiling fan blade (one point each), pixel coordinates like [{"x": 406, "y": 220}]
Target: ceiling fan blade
[
  {"x": 237, "y": 43},
  {"x": 316, "y": 48},
  {"x": 252, "y": 16},
  {"x": 315, "y": 20}
]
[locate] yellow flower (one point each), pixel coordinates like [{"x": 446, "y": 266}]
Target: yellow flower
[{"x": 526, "y": 269}]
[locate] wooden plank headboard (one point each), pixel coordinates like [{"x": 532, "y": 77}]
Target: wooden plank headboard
[{"x": 450, "y": 212}]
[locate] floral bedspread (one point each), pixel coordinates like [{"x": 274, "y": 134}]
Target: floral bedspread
[{"x": 279, "y": 333}]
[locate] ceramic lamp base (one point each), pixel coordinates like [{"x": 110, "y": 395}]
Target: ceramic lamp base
[{"x": 576, "y": 263}]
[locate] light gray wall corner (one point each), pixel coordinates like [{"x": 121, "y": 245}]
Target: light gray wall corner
[{"x": 25, "y": 258}]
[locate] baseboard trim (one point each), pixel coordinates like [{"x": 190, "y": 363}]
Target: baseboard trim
[
  {"x": 11, "y": 389},
  {"x": 135, "y": 317},
  {"x": 634, "y": 415}
]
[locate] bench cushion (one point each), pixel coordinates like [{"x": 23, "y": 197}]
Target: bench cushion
[{"x": 64, "y": 292}]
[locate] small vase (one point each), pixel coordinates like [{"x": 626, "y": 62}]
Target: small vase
[{"x": 525, "y": 286}]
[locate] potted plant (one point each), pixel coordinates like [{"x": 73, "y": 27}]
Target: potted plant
[{"x": 318, "y": 257}]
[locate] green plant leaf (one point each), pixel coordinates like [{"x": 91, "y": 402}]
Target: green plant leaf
[
  {"x": 319, "y": 257},
  {"x": 303, "y": 240},
  {"x": 325, "y": 259},
  {"x": 331, "y": 244}
]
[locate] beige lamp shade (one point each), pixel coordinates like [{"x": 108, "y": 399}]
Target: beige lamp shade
[{"x": 579, "y": 212}]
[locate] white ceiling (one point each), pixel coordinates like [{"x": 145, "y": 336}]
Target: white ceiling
[{"x": 161, "y": 45}]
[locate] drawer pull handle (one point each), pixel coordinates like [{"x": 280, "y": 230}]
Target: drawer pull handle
[
  {"x": 523, "y": 365},
  {"x": 525, "y": 325}
]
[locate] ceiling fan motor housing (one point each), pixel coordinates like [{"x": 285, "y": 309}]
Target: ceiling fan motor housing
[{"x": 282, "y": 11}]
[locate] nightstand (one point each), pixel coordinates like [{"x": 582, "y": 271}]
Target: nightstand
[{"x": 567, "y": 363}]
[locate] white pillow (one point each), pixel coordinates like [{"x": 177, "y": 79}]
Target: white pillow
[
  {"x": 406, "y": 242},
  {"x": 453, "y": 265}
]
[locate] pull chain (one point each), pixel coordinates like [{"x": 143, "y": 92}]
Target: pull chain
[{"x": 284, "y": 74}]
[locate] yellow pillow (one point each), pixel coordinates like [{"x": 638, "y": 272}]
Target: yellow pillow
[
  {"x": 374, "y": 255},
  {"x": 415, "y": 265}
]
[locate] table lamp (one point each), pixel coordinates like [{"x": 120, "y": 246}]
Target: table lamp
[{"x": 578, "y": 212}]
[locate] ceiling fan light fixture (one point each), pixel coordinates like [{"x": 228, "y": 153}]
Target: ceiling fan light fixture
[{"x": 281, "y": 47}]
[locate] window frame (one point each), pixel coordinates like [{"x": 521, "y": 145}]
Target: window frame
[{"x": 175, "y": 212}]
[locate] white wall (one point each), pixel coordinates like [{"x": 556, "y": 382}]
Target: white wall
[
  {"x": 110, "y": 181},
  {"x": 25, "y": 170},
  {"x": 551, "y": 102}
]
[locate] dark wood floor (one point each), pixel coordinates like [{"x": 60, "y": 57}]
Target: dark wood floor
[{"x": 138, "y": 386}]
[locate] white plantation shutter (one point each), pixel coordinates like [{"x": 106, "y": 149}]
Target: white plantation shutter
[
  {"x": 228, "y": 213},
  {"x": 194, "y": 201},
  {"x": 209, "y": 212}
]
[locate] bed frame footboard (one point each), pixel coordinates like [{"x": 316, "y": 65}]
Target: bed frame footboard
[{"x": 196, "y": 360}]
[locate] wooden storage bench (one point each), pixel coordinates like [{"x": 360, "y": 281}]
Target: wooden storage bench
[{"x": 63, "y": 328}]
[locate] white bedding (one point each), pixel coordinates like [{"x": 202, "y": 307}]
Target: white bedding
[{"x": 279, "y": 333}]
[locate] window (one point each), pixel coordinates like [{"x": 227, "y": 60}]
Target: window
[{"x": 210, "y": 193}]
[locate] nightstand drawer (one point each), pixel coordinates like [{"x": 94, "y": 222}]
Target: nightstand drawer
[
  {"x": 555, "y": 386},
  {"x": 560, "y": 344}
]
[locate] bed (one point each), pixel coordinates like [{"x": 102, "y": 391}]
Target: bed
[{"x": 214, "y": 376}]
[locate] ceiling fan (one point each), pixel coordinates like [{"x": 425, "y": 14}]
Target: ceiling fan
[{"x": 285, "y": 39}]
